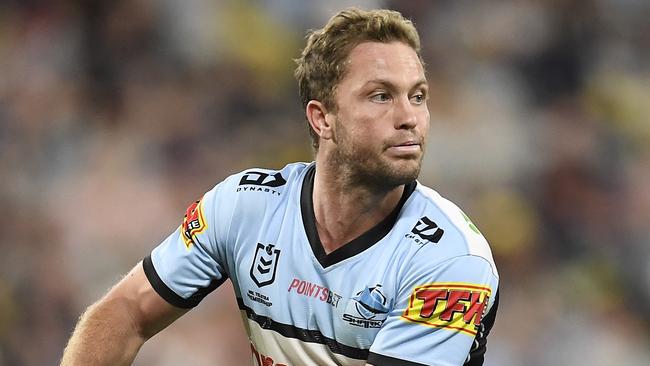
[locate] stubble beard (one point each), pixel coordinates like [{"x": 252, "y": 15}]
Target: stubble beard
[{"x": 370, "y": 169}]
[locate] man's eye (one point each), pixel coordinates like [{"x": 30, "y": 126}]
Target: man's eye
[
  {"x": 380, "y": 97},
  {"x": 418, "y": 98}
]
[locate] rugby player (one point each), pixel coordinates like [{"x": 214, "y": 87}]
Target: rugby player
[{"x": 347, "y": 260}]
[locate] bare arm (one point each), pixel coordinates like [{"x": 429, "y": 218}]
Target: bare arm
[{"x": 112, "y": 330}]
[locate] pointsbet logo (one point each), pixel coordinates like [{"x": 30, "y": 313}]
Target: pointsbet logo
[
  {"x": 319, "y": 292},
  {"x": 455, "y": 306}
]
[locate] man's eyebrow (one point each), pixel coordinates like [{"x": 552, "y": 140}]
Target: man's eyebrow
[{"x": 421, "y": 82}]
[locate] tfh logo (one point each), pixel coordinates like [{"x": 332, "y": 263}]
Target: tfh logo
[
  {"x": 456, "y": 306},
  {"x": 428, "y": 230},
  {"x": 265, "y": 262}
]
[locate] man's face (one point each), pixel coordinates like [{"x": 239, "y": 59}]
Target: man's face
[{"x": 382, "y": 119}]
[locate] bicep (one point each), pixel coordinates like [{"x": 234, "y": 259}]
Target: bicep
[{"x": 148, "y": 312}]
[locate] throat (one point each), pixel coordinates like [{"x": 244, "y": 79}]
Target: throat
[
  {"x": 342, "y": 219},
  {"x": 341, "y": 223},
  {"x": 336, "y": 235}
]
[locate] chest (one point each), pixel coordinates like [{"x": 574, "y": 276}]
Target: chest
[{"x": 277, "y": 277}]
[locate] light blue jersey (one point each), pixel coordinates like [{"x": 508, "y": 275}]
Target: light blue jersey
[{"x": 418, "y": 288}]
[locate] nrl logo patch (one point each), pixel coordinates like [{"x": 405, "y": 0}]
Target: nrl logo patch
[{"x": 265, "y": 262}]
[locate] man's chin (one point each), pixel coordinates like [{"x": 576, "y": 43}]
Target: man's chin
[
  {"x": 396, "y": 174},
  {"x": 408, "y": 169},
  {"x": 404, "y": 176}
]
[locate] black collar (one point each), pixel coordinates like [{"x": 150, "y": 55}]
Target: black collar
[{"x": 357, "y": 245}]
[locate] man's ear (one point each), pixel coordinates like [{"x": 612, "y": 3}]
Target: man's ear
[{"x": 319, "y": 119}]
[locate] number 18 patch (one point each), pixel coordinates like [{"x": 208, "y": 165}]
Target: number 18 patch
[{"x": 456, "y": 306}]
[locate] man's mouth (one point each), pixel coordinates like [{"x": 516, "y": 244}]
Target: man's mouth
[{"x": 407, "y": 147}]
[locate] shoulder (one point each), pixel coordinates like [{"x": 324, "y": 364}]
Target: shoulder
[
  {"x": 453, "y": 232},
  {"x": 253, "y": 191},
  {"x": 452, "y": 256},
  {"x": 257, "y": 183},
  {"x": 244, "y": 199},
  {"x": 259, "y": 179}
]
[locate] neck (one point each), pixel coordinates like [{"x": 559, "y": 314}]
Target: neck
[{"x": 345, "y": 209}]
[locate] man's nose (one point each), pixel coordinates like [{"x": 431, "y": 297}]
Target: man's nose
[{"x": 405, "y": 114}]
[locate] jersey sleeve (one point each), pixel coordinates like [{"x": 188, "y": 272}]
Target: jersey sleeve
[
  {"x": 190, "y": 263},
  {"x": 442, "y": 315}
]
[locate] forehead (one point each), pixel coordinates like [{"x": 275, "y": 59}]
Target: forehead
[{"x": 395, "y": 61}]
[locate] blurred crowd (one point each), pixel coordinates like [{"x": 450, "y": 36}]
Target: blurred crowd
[{"x": 115, "y": 115}]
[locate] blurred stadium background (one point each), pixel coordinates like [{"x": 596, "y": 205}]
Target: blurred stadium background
[{"x": 115, "y": 115}]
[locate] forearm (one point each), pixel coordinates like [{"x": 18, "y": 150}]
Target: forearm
[{"x": 105, "y": 335}]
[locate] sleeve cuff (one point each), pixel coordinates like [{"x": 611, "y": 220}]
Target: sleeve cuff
[{"x": 169, "y": 295}]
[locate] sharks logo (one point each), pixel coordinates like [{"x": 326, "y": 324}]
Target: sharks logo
[{"x": 368, "y": 309}]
